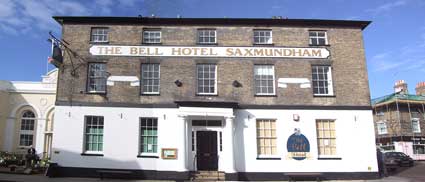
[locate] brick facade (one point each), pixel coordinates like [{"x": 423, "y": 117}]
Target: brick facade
[{"x": 350, "y": 81}]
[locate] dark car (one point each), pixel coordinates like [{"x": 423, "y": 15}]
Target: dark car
[{"x": 397, "y": 159}]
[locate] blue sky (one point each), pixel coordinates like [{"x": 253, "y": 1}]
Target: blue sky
[{"x": 394, "y": 42}]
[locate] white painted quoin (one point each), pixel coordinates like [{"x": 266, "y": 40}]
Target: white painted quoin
[{"x": 355, "y": 150}]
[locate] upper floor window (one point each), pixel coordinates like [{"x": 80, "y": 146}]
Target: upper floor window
[
  {"x": 266, "y": 137},
  {"x": 150, "y": 79},
  {"x": 264, "y": 79},
  {"x": 322, "y": 80},
  {"x": 206, "y": 36},
  {"x": 326, "y": 137},
  {"x": 96, "y": 78},
  {"x": 149, "y": 135},
  {"x": 26, "y": 134},
  {"x": 318, "y": 38},
  {"x": 152, "y": 36},
  {"x": 416, "y": 127},
  {"x": 207, "y": 79},
  {"x": 99, "y": 34},
  {"x": 93, "y": 134},
  {"x": 263, "y": 37},
  {"x": 382, "y": 127}
]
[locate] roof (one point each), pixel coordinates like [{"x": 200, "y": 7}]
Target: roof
[
  {"x": 406, "y": 98},
  {"x": 209, "y": 21}
]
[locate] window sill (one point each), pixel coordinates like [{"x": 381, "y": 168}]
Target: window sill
[
  {"x": 147, "y": 156},
  {"x": 273, "y": 95},
  {"x": 324, "y": 95},
  {"x": 92, "y": 154},
  {"x": 259, "y": 44},
  {"x": 324, "y": 45},
  {"x": 206, "y": 44},
  {"x": 91, "y": 42},
  {"x": 268, "y": 158},
  {"x": 96, "y": 93},
  {"x": 329, "y": 158},
  {"x": 198, "y": 94},
  {"x": 145, "y": 94},
  {"x": 147, "y": 44}
]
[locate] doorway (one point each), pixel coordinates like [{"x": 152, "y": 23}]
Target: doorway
[{"x": 206, "y": 150}]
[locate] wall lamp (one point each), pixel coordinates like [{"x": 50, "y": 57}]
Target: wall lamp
[
  {"x": 178, "y": 83},
  {"x": 236, "y": 84}
]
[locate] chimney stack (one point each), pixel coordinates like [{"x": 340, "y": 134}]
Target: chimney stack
[
  {"x": 400, "y": 87},
  {"x": 420, "y": 88}
]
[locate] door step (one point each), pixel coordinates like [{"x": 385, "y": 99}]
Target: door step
[{"x": 207, "y": 176}]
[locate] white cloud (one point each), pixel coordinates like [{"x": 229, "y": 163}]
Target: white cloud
[
  {"x": 387, "y": 6},
  {"x": 104, "y": 6},
  {"x": 18, "y": 17}
]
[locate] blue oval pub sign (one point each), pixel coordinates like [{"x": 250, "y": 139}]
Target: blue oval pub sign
[{"x": 298, "y": 145}]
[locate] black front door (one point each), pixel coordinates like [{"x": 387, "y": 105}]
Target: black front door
[{"x": 206, "y": 150}]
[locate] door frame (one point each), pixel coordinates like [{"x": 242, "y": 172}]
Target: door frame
[
  {"x": 211, "y": 134},
  {"x": 195, "y": 129}
]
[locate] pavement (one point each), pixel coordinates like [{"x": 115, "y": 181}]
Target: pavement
[{"x": 405, "y": 174}]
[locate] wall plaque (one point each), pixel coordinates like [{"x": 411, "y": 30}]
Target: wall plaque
[{"x": 169, "y": 153}]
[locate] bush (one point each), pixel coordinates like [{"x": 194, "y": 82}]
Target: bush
[{"x": 7, "y": 159}]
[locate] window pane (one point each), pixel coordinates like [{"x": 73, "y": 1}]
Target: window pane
[
  {"x": 150, "y": 78},
  {"x": 264, "y": 79},
  {"x": 326, "y": 137},
  {"x": 206, "y": 78},
  {"x": 266, "y": 137},
  {"x": 97, "y": 77},
  {"x": 99, "y": 34},
  {"x": 94, "y": 133},
  {"x": 148, "y": 135},
  {"x": 151, "y": 36}
]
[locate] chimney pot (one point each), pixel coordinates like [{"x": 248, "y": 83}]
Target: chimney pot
[
  {"x": 420, "y": 88},
  {"x": 400, "y": 87}
]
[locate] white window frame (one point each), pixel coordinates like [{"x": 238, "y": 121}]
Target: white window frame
[
  {"x": 329, "y": 81},
  {"x": 418, "y": 124},
  {"x": 94, "y": 33},
  {"x": 89, "y": 78},
  {"x": 207, "y": 36},
  {"x": 379, "y": 124},
  {"x": 336, "y": 140},
  {"x": 274, "y": 80},
  {"x": 27, "y": 132},
  {"x": 276, "y": 138},
  {"x": 197, "y": 80},
  {"x": 260, "y": 36},
  {"x": 317, "y": 37},
  {"x": 150, "y": 33},
  {"x": 86, "y": 150},
  {"x": 150, "y": 78},
  {"x": 141, "y": 140}
]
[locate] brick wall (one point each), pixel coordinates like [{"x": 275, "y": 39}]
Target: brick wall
[{"x": 350, "y": 81}]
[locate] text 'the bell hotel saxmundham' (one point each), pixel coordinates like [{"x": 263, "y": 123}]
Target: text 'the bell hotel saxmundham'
[{"x": 254, "y": 99}]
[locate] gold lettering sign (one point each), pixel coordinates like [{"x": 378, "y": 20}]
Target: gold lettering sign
[{"x": 186, "y": 51}]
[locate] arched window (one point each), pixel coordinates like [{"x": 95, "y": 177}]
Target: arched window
[{"x": 26, "y": 134}]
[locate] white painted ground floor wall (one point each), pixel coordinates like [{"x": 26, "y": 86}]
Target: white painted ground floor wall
[{"x": 355, "y": 139}]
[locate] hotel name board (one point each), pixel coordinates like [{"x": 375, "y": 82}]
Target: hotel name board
[{"x": 185, "y": 51}]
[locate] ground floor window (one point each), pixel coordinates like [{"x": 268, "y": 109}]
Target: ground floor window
[
  {"x": 27, "y": 129},
  {"x": 149, "y": 135},
  {"x": 326, "y": 138},
  {"x": 94, "y": 134},
  {"x": 388, "y": 147},
  {"x": 419, "y": 149},
  {"x": 266, "y": 137}
]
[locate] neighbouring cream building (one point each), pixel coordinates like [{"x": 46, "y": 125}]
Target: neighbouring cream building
[{"x": 26, "y": 114}]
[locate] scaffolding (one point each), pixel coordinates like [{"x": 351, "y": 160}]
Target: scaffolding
[{"x": 399, "y": 103}]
